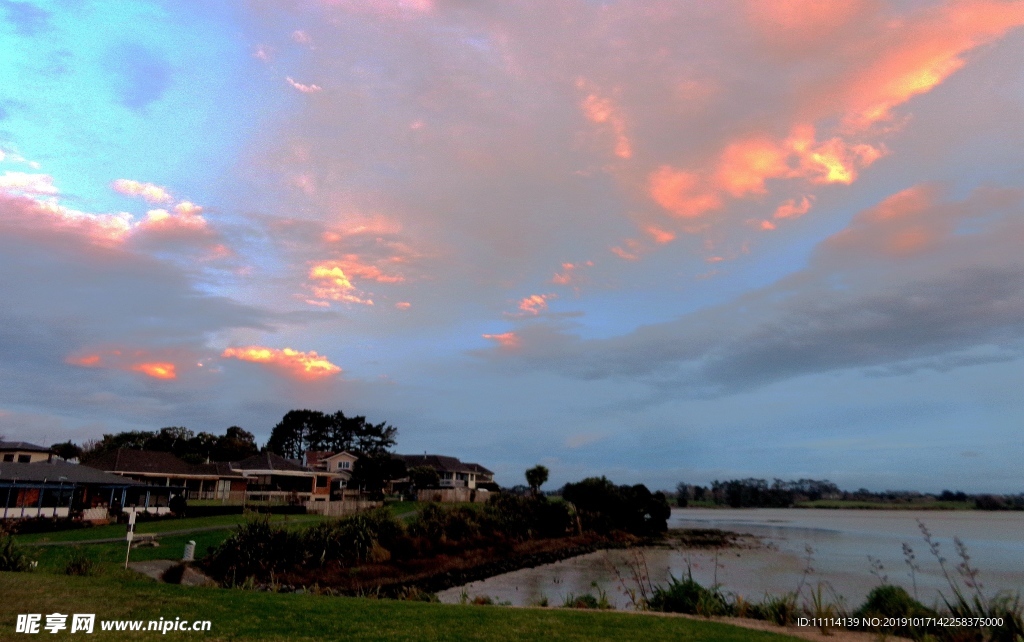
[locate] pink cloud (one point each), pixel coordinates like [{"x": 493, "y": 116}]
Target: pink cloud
[
  {"x": 24, "y": 183},
  {"x": 148, "y": 191},
  {"x": 306, "y": 89},
  {"x": 505, "y": 340},
  {"x": 535, "y": 303}
]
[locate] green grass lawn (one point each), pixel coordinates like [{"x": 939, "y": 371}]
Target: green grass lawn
[
  {"x": 248, "y": 615},
  {"x": 156, "y": 526},
  {"x": 109, "y": 557}
]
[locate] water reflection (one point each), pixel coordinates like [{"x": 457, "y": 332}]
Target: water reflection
[{"x": 841, "y": 542}]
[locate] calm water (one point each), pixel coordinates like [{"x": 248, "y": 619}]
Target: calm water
[{"x": 841, "y": 542}]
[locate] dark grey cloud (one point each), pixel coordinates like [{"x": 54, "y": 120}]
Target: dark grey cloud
[{"x": 956, "y": 298}]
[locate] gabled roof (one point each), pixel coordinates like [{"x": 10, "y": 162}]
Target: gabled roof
[
  {"x": 441, "y": 463},
  {"x": 61, "y": 471},
  {"x": 477, "y": 468},
  {"x": 268, "y": 461},
  {"x": 218, "y": 468},
  {"x": 22, "y": 445},
  {"x": 127, "y": 460}
]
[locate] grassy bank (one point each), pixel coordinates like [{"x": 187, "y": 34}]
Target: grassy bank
[
  {"x": 855, "y": 504},
  {"x": 246, "y": 615}
]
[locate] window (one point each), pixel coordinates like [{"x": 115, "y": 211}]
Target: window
[
  {"x": 344, "y": 465},
  {"x": 321, "y": 482},
  {"x": 24, "y": 459},
  {"x": 9, "y": 457}
]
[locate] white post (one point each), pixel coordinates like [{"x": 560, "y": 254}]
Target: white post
[{"x": 129, "y": 536}]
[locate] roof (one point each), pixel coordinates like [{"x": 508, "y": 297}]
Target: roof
[
  {"x": 53, "y": 472},
  {"x": 269, "y": 461},
  {"x": 218, "y": 468},
  {"x": 127, "y": 460},
  {"x": 314, "y": 457},
  {"x": 441, "y": 463},
  {"x": 22, "y": 445}
]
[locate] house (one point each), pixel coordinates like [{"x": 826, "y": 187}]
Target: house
[
  {"x": 341, "y": 463},
  {"x": 201, "y": 481},
  {"x": 272, "y": 476},
  {"x": 262, "y": 477},
  {"x": 23, "y": 452},
  {"x": 452, "y": 472},
  {"x": 58, "y": 489}
]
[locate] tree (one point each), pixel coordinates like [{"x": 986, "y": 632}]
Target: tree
[
  {"x": 682, "y": 494},
  {"x": 424, "y": 477},
  {"x": 536, "y": 477},
  {"x": 66, "y": 450},
  {"x": 373, "y": 471},
  {"x": 235, "y": 445},
  {"x": 302, "y": 430}
]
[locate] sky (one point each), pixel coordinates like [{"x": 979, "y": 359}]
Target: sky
[{"x": 658, "y": 241}]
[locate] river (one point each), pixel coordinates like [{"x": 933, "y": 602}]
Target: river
[{"x": 838, "y": 547}]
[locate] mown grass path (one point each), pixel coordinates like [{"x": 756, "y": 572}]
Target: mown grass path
[{"x": 271, "y": 617}]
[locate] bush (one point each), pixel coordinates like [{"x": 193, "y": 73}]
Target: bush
[
  {"x": 454, "y": 525},
  {"x": 887, "y": 601},
  {"x": 604, "y": 507},
  {"x": 365, "y": 536},
  {"x": 687, "y": 596},
  {"x": 523, "y": 517},
  {"x": 256, "y": 550},
  {"x": 79, "y": 564},
  {"x": 11, "y": 557}
]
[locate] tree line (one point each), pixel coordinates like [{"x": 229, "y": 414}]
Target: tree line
[{"x": 759, "y": 493}]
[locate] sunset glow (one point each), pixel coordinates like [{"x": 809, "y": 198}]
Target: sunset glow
[
  {"x": 301, "y": 365},
  {"x": 680, "y": 241}
]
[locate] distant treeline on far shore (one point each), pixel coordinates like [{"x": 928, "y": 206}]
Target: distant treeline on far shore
[{"x": 759, "y": 493}]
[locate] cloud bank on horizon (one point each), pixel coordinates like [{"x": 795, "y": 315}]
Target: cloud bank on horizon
[{"x": 654, "y": 240}]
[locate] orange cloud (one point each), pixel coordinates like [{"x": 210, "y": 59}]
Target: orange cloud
[
  {"x": 403, "y": 305},
  {"x": 130, "y": 360},
  {"x": 332, "y": 283},
  {"x": 659, "y": 235},
  {"x": 929, "y": 48},
  {"x": 157, "y": 370},
  {"x": 505, "y": 340},
  {"x": 792, "y": 209},
  {"x": 148, "y": 191},
  {"x": 682, "y": 193},
  {"x": 87, "y": 361},
  {"x": 301, "y": 365},
  {"x": 535, "y": 303},
  {"x": 568, "y": 275},
  {"x": 903, "y": 224},
  {"x": 745, "y": 165}
]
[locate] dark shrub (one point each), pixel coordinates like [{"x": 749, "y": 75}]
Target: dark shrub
[
  {"x": 258, "y": 550},
  {"x": 79, "y": 564},
  {"x": 604, "y": 507},
  {"x": 452, "y": 525},
  {"x": 687, "y": 596},
  {"x": 352, "y": 539},
  {"x": 888, "y": 601},
  {"x": 522, "y": 517},
  {"x": 11, "y": 557}
]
